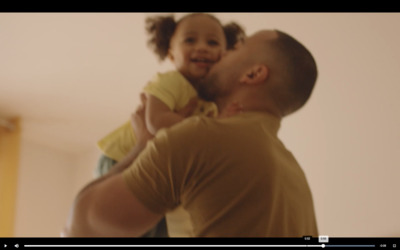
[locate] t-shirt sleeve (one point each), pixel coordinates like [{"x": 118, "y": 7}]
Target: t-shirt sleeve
[
  {"x": 152, "y": 178},
  {"x": 171, "y": 88}
]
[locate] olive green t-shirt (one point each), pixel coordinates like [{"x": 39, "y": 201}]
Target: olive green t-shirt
[{"x": 233, "y": 176}]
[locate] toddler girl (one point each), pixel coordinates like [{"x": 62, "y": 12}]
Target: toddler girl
[{"x": 193, "y": 44}]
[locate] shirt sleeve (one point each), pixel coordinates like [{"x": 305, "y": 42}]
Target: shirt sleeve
[
  {"x": 152, "y": 178},
  {"x": 171, "y": 88}
]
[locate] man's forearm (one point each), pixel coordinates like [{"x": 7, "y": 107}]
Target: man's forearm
[
  {"x": 118, "y": 167},
  {"x": 79, "y": 212}
]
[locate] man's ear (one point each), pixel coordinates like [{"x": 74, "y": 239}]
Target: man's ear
[{"x": 255, "y": 75}]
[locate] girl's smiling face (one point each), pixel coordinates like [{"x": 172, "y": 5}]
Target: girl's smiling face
[{"x": 197, "y": 43}]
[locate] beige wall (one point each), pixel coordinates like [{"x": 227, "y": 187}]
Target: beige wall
[
  {"x": 44, "y": 190},
  {"x": 48, "y": 182}
]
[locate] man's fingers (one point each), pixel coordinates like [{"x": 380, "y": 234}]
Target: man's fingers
[
  {"x": 189, "y": 108},
  {"x": 143, "y": 98},
  {"x": 193, "y": 101},
  {"x": 141, "y": 106},
  {"x": 210, "y": 113}
]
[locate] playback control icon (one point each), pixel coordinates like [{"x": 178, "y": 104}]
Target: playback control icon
[{"x": 15, "y": 246}]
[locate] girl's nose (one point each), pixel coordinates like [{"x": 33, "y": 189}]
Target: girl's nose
[{"x": 201, "y": 47}]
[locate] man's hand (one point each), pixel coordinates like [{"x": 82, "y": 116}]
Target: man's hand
[
  {"x": 231, "y": 109},
  {"x": 189, "y": 108},
  {"x": 138, "y": 122}
]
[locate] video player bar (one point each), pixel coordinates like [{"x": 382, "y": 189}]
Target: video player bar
[{"x": 306, "y": 241}]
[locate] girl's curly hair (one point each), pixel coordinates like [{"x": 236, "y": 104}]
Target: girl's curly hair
[{"x": 161, "y": 29}]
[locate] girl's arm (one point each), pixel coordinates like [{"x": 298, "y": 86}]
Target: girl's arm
[{"x": 158, "y": 114}]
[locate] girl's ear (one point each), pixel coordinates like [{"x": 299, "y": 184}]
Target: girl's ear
[
  {"x": 170, "y": 55},
  {"x": 255, "y": 75}
]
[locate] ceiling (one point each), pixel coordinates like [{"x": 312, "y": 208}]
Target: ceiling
[{"x": 72, "y": 77}]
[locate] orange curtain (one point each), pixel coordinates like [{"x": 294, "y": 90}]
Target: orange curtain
[{"x": 9, "y": 157}]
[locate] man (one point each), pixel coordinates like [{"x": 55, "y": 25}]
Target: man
[{"x": 232, "y": 174}]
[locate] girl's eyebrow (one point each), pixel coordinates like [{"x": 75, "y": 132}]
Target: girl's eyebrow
[{"x": 191, "y": 32}]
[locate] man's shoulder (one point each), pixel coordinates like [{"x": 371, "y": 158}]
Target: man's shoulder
[
  {"x": 197, "y": 122},
  {"x": 190, "y": 128}
]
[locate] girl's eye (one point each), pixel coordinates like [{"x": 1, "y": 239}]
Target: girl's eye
[
  {"x": 213, "y": 42},
  {"x": 190, "y": 40}
]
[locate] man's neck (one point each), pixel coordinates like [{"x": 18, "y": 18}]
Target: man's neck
[{"x": 231, "y": 108}]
